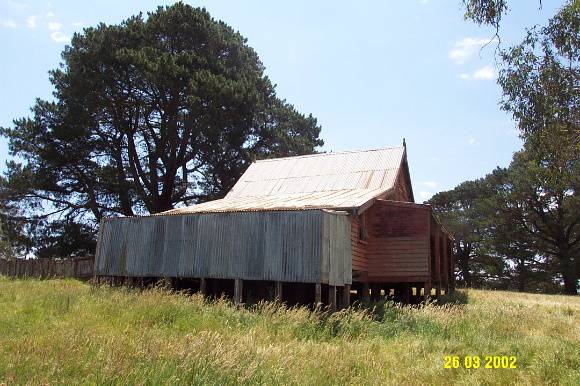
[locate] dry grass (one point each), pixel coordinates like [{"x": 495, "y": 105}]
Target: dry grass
[{"x": 67, "y": 332}]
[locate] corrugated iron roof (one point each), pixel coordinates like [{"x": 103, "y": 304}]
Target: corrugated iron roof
[
  {"x": 328, "y": 172},
  {"x": 341, "y": 199},
  {"x": 329, "y": 180}
]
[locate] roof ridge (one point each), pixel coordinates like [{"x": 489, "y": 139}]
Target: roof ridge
[
  {"x": 320, "y": 175},
  {"x": 309, "y": 193},
  {"x": 331, "y": 153}
]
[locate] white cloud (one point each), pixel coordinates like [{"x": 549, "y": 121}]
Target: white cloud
[
  {"x": 50, "y": 14},
  {"x": 16, "y": 5},
  {"x": 54, "y": 26},
  {"x": 9, "y": 24},
  {"x": 429, "y": 184},
  {"x": 425, "y": 195},
  {"x": 31, "y": 21},
  {"x": 472, "y": 141},
  {"x": 59, "y": 37},
  {"x": 423, "y": 1},
  {"x": 465, "y": 48},
  {"x": 484, "y": 73}
]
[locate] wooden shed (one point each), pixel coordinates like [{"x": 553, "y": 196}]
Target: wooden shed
[{"x": 303, "y": 229}]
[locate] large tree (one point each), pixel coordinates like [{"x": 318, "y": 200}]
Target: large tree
[
  {"x": 542, "y": 199},
  {"x": 488, "y": 12},
  {"x": 465, "y": 212},
  {"x": 541, "y": 89},
  {"x": 154, "y": 113},
  {"x": 13, "y": 238},
  {"x": 518, "y": 227},
  {"x": 526, "y": 268},
  {"x": 535, "y": 226},
  {"x": 540, "y": 78}
]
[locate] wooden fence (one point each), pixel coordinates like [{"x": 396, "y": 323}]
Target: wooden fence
[{"x": 81, "y": 267}]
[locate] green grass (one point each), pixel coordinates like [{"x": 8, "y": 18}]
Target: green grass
[{"x": 69, "y": 332}]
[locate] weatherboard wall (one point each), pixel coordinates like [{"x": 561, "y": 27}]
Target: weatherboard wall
[
  {"x": 309, "y": 246},
  {"x": 359, "y": 244},
  {"x": 398, "y": 247}
]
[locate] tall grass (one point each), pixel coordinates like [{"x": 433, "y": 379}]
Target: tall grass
[{"x": 68, "y": 332}]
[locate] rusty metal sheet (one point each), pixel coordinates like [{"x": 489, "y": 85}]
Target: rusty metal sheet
[
  {"x": 262, "y": 245},
  {"x": 331, "y": 180}
]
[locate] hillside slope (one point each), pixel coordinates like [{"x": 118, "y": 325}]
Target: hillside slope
[{"x": 65, "y": 331}]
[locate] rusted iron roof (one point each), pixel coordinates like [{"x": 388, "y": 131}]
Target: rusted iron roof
[
  {"x": 342, "y": 199},
  {"x": 370, "y": 169},
  {"x": 330, "y": 180}
]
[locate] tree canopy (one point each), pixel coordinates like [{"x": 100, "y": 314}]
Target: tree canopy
[
  {"x": 518, "y": 227},
  {"x": 463, "y": 211},
  {"x": 540, "y": 78},
  {"x": 153, "y": 113},
  {"x": 521, "y": 225}
]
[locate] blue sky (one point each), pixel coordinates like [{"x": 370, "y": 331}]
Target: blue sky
[{"x": 372, "y": 72}]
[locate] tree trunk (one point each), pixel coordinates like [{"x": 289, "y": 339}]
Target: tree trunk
[
  {"x": 568, "y": 268},
  {"x": 463, "y": 263},
  {"x": 521, "y": 284},
  {"x": 570, "y": 280},
  {"x": 521, "y": 270}
]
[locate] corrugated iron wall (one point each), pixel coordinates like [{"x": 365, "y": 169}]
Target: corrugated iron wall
[
  {"x": 306, "y": 246},
  {"x": 336, "y": 249}
]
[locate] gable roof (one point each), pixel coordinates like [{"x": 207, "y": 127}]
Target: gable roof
[{"x": 324, "y": 181}]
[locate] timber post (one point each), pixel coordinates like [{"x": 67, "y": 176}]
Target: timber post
[
  {"x": 238, "y": 287},
  {"x": 427, "y": 290},
  {"x": 203, "y": 286},
  {"x": 345, "y": 303},
  {"x": 332, "y": 298},
  {"x": 366, "y": 293},
  {"x": 451, "y": 267},
  {"x": 437, "y": 251},
  {"x": 446, "y": 266},
  {"x": 375, "y": 292},
  {"x": 317, "y": 295},
  {"x": 407, "y": 293},
  {"x": 278, "y": 291}
]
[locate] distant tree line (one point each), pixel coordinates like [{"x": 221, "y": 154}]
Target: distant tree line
[{"x": 519, "y": 227}]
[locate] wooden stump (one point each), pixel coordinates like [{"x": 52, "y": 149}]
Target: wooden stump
[
  {"x": 332, "y": 298},
  {"x": 407, "y": 293},
  {"x": 427, "y": 290},
  {"x": 317, "y": 295},
  {"x": 366, "y": 297},
  {"x": 345, "y": 302},
  {"x": 238, "y": 286},
  {"x": 278, "y": 293}
]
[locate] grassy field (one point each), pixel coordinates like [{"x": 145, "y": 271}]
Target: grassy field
[{"x": 68, "y": 332}]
